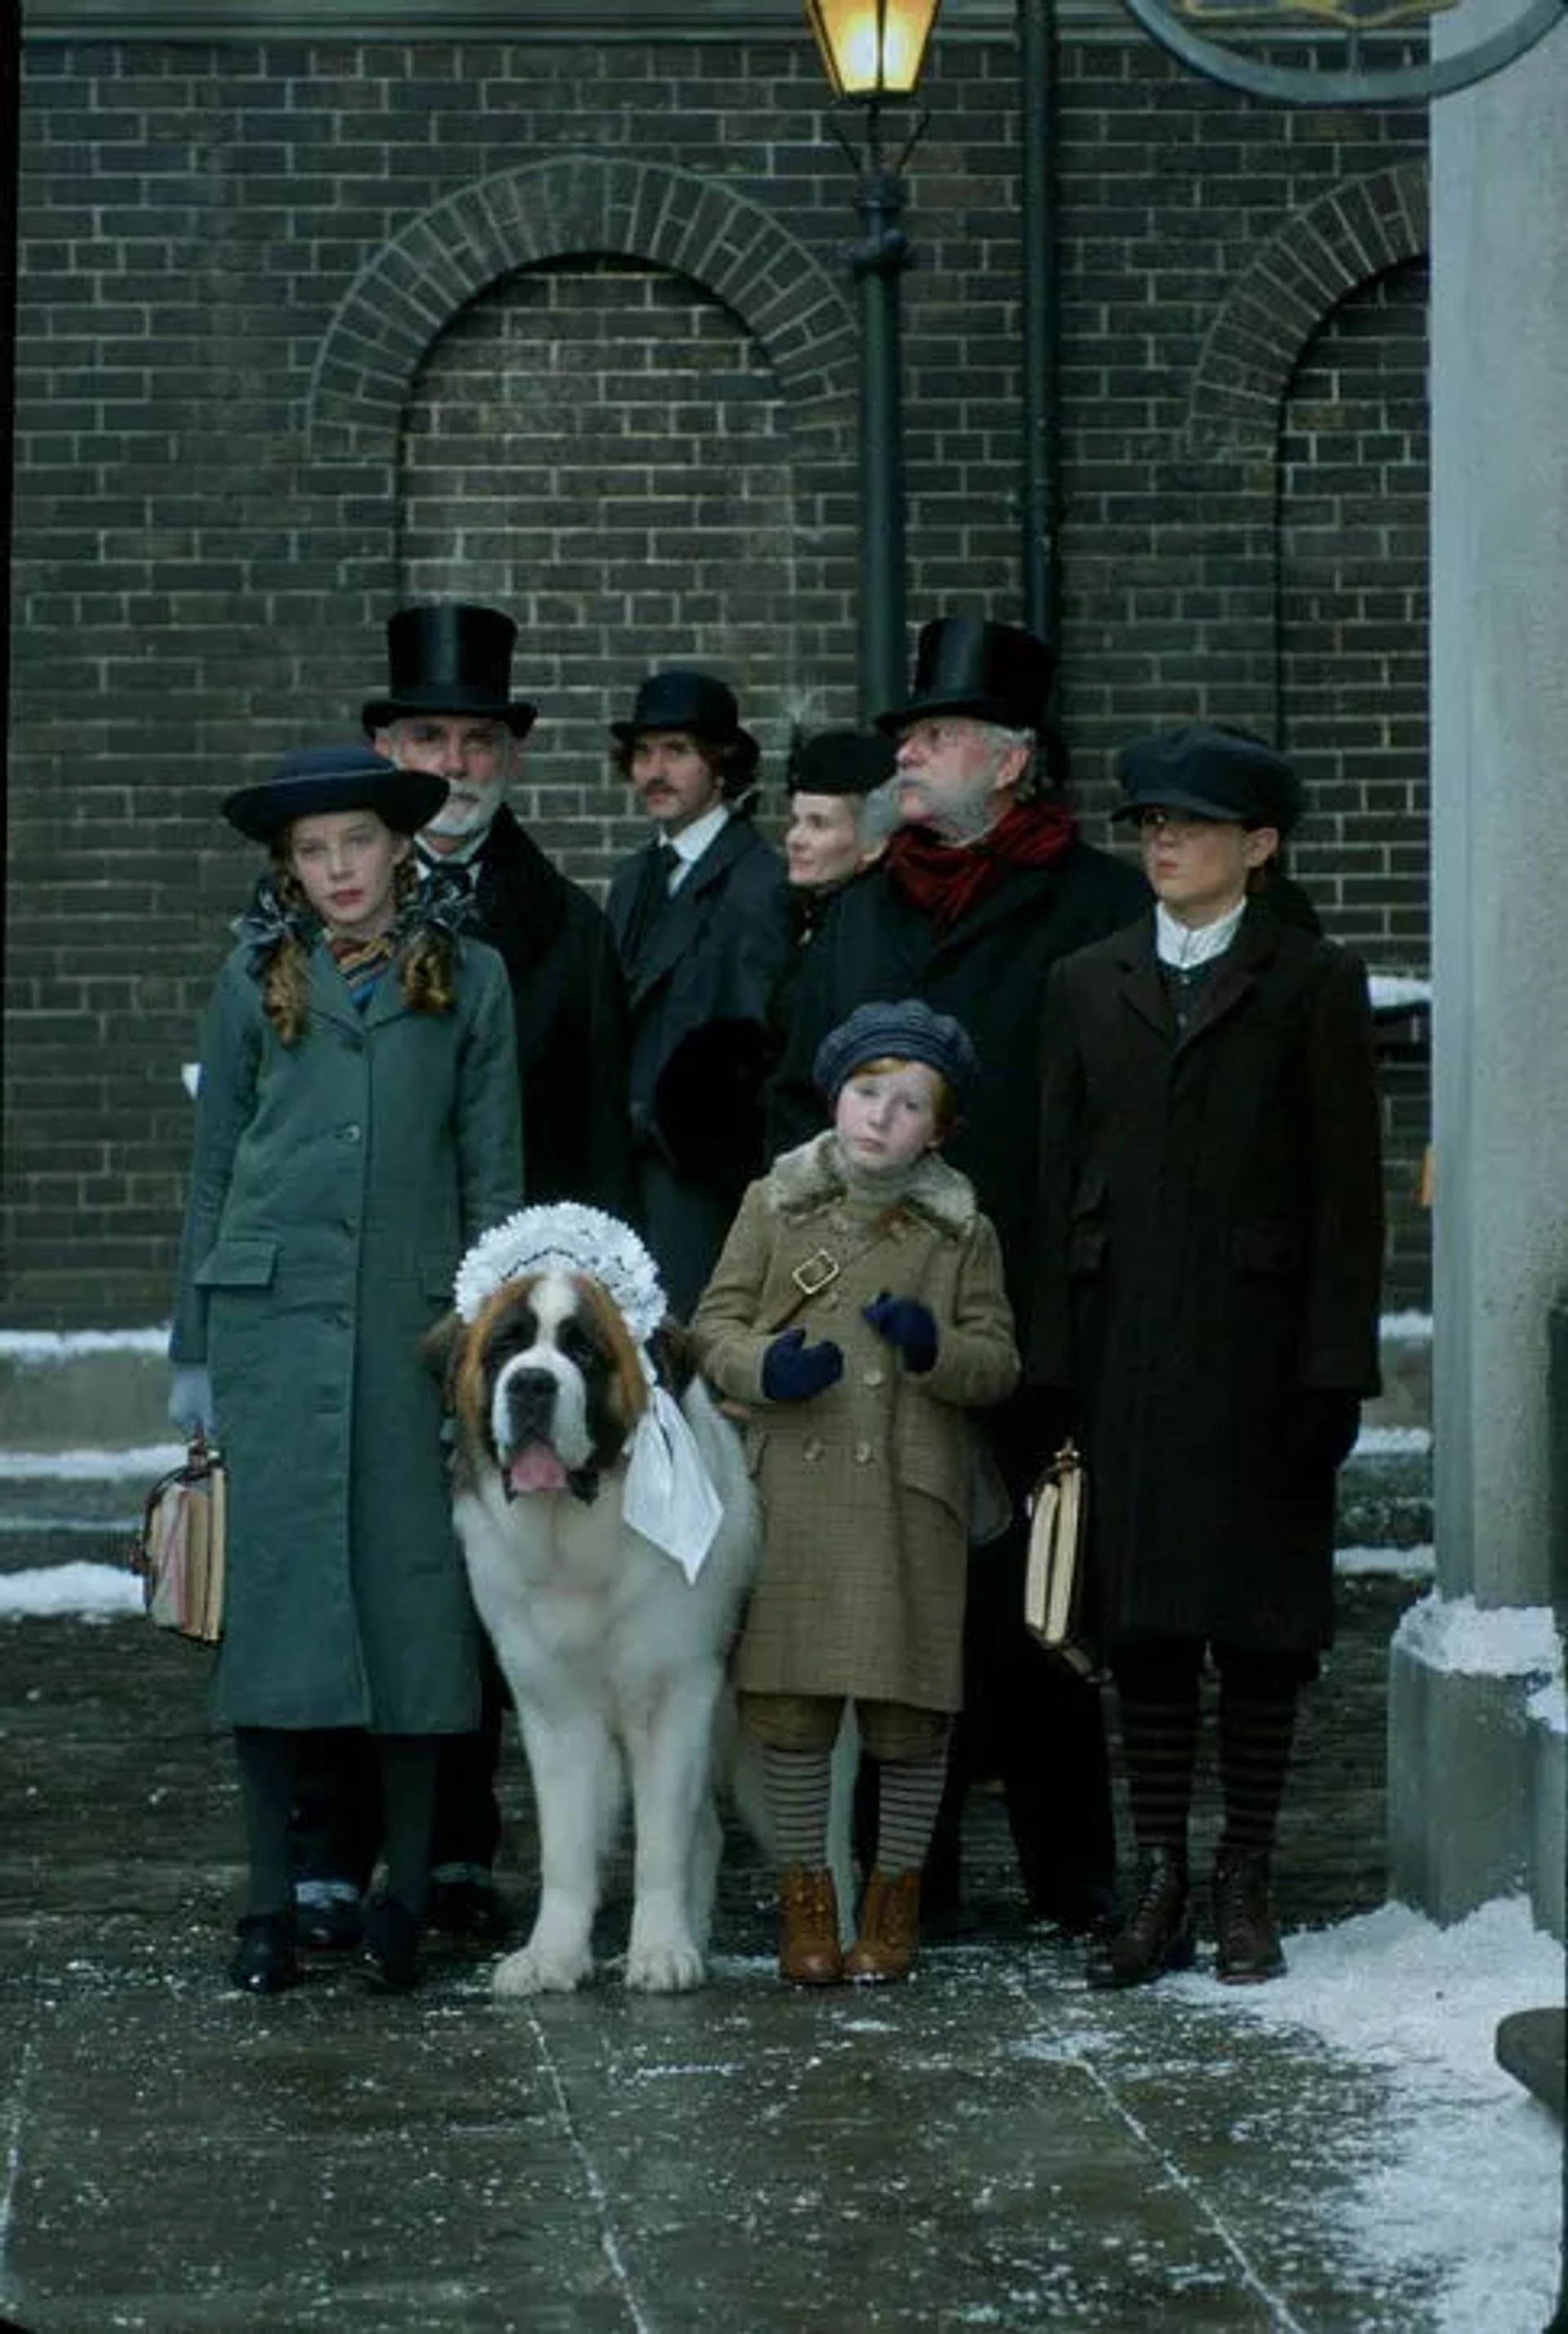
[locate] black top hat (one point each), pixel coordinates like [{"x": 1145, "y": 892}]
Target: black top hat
[
  {"x": 841, "y": 762},
  {"x": 967, "y": 664},
  {"x": 1210, "y": 773},
  {"x": 450, "y": 658},
  {"x": 696, "y": 702},
  {"x": 335, "y": 777}
]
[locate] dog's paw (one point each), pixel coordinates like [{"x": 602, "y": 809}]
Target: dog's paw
[
  {"x": 529, "y": 1972},
  {"x": 666, "y": 1968}
]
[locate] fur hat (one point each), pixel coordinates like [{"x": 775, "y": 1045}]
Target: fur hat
[
  {"x": 1210, "y": 773},
  {"x": 906, "y": 1032},
  {"x": 335, "y": 777},
  {"x": 449, "y": 658}
]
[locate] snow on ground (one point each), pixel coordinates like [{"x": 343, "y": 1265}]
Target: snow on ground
[
  {"x": 96, "y": 1592},
  {"x": 1471, "y": 2177}
]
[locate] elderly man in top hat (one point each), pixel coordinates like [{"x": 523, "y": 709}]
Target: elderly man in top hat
[
  {"x": 1208, "y": 1271},
  {"x": 984, "y": 885},
  {"x": 448, "y": 709},
  {"x": 701, "y": 917}
]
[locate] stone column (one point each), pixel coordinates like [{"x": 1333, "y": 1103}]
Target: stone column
[{"x": 1476, "y": 1792}]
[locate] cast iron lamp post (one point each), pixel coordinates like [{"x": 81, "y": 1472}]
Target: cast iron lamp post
[{"x": 873, "y": 51}]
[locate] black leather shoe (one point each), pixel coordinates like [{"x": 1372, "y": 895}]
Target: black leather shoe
[
  {"x": 328, "y": 1924},
  {"x": 265, "y": 1961},
  {"x": 474, "y": 1910},
  {"x": 1156, "y": 1932},
  {"x": 1246, "y": 1946},
  {"x": 389, "y": 1951}
]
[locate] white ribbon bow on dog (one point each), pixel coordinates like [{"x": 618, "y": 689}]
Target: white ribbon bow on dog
[{"x": 669, "y": 1496}]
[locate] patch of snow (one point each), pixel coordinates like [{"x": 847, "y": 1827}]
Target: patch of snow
[
  {"x": 1481, "y": 1640},
  {"x": 1392, "y": 1989},
  {"x": 1391, "y": 991},
  {"x": 1389, "y": 1441},
  {"x": 145, "y": 1458},
  {"x": 1418, "y": 1563},
  {"x": 1408, "y": 1328},
  {"x": 35, "y": 1347},
  {"x": 96, "y": 1592},
  {"x": 1548, "y": 1706}
]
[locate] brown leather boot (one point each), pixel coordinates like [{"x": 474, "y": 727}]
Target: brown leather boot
[
  {"x": 1157, "y": 1932},
  {"x": 809, "y": 1952},
  {"x": 889, "y": 1929},
  {"x": 1246, "y": 1946}
]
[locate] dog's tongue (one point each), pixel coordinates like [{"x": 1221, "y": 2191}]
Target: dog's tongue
[{"x": 536, "y": 1468}]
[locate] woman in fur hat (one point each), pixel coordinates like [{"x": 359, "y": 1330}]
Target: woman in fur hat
[
  {"x": 357, "y": 1129},
  {"x": 858, "y": 1306}
]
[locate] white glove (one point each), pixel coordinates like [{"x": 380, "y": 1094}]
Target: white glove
[{"x": 190, "y": 1402}]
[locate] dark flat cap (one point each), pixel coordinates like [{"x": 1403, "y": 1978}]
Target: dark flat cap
[{"x": 1210, "y": 773}]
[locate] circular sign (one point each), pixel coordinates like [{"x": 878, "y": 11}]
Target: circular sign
[{"x": 1221, "y": 38}]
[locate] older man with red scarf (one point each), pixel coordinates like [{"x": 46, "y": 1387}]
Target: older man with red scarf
[{"x": 984, "y": 885}]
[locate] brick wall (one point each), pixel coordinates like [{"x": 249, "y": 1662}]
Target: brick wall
[{"x": 305, "y": 329}]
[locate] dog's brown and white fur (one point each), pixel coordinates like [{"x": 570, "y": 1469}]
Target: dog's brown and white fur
[{"x": 616, "y": 1662}]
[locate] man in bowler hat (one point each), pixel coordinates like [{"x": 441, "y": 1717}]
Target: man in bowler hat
[
  {"x": 448, "y": 709},
  {"x": 701, "y": 916},
  {"x": 984, "y": 885}
]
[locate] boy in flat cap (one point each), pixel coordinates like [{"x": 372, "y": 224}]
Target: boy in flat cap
[
  {"x": 1205, "y": 1312},
  {"x": 858, "y": 1310},
  {"x": 701, "y": 917}
]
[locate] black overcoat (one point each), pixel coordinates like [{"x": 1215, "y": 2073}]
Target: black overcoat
[
  {"x": 989, "y": 971},
  {"x": 1209, "y": 1254},
  {"x": 714, "y": 961},
  {"x": 569, "y": 1003}
]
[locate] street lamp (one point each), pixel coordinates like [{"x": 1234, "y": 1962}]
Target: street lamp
[{"x": 873, "y": 51}]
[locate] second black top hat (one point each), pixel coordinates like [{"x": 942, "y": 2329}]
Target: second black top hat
[{"x": 450, "y": 658}]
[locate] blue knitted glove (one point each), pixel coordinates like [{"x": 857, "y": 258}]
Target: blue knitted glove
[
  {"x": 191, "y": 1401},
  {"x": 907, "y": 1324},
  {"x": 793, "y": 1371}
]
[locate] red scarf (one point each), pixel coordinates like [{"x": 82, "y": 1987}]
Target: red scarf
[{"x": 946, "y": 880}]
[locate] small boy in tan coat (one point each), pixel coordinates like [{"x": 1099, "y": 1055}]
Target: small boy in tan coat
[{"x": 858, "y": 1311}]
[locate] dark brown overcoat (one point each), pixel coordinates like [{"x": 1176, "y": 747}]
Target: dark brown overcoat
[
  {"x": 1209, "y": 1252},
  {"x": 865, "y": 1488}
]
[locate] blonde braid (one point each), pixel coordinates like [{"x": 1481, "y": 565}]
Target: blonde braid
[
  {"x": 286, "y": 980},
  {"x": 426, "y": 974}
]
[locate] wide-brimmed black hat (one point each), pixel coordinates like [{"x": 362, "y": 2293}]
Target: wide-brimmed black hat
[
  {"x": 335, "y": 777},
  {"x": 1209, "y": 773},
  {"x": 841, "y": 762},
  {"x": 450, "y": 658},
  {"x": 699, "y": 703},
  {"x": 991, "y": 671}
]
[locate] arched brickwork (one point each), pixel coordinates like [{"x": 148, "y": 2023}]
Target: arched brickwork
[
  {"x": 575, "y": 205},
  {"x": 1321, "y": 254}
]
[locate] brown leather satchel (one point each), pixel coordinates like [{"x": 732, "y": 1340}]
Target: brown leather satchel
[
  {"x": 1054, "y": 1584},
  {"x": 179, "y": 1552}
]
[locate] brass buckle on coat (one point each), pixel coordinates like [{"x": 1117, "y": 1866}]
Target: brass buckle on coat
[{"x": 819, "y": 1271}]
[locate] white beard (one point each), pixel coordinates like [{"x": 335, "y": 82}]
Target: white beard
[{"x": 467, "y": 811}]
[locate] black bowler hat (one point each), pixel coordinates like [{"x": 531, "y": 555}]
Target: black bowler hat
[
  {"x": 450, "y": 658},
  {"x": 335, "y": 777},
  {"x": 1210, "y": 773},
  {"x": 841, "y": 762},
  {"x": 696, "y": 702},
  {"x": 990, "y": 671}
]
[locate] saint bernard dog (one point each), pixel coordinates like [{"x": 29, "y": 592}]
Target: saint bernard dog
[{"x": 575, "y": 1415}]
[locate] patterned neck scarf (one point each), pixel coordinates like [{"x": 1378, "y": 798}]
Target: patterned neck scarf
[{"x": 361, "y": 962}]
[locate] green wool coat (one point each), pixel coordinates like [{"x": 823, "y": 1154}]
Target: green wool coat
[
  {"x": 865, "y": 1488},
  {"x": 334, "y": 1188}
]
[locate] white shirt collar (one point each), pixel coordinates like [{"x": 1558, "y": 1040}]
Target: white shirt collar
[
  {"x": 1186, "y": 945},
  {"x": 692, "y": 841}
]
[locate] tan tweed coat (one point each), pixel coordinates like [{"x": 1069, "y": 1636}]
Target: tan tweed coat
[{"x": 864, "y": 1488}]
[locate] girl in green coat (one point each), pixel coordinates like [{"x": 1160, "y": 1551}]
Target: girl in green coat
[{"x": 357, "y": 1127}]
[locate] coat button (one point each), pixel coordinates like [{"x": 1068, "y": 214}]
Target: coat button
[
  {"x": 812, "y": 1451},
  {"x": 349, "y": 1133},
  {"x": 874, "y": 1377},
  {"x": 863, "y": 1454}
]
